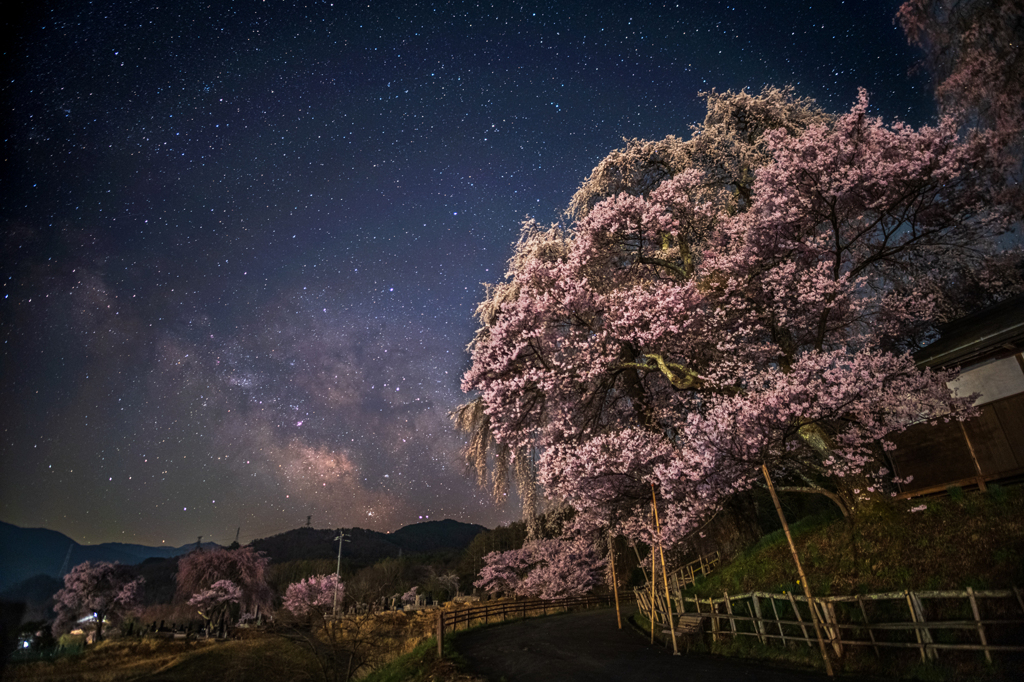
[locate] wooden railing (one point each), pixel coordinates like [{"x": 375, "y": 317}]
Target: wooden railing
[
  {"x": 515, "y": 609},
  {"x": 701, "y": 566},
  {"x": 898, "y": 619}
]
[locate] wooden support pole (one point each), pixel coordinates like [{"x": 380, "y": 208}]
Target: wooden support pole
[
  {"x": 615, "y": 580},
  {"x": 778, "y": 621},
  {"x": 728, "y": 608},
  {"x": 917, "y": 631},
  {"x": 871, "y": 632},
  {"x": 796, "y": 611},
  {"x": 800, "y": 570},
  {"x": 933, "y": 653},
  {"x": 974, "y": 458},
  {"x": 654, "y": 576},
  {"x": 664, "y": 573}
]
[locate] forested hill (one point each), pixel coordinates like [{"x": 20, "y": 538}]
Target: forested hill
[{"x": 368, "y": 546}]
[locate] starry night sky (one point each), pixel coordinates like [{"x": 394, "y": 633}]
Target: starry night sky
[{"x": 242, "y": 242}]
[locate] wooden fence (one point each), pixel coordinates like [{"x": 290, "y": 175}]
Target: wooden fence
[
  {"x": 929, "y": 621},
  {"x": 506, "y": 609},
  {"x": 701, "y": 566}
]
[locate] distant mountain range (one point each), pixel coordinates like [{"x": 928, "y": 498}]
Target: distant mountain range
[{"x": 29, "y": 552}]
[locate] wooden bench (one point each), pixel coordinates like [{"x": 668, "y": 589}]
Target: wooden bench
[{"x": 689, "y": 624}]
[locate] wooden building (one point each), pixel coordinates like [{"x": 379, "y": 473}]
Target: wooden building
[{"x": 987, "y": 347}]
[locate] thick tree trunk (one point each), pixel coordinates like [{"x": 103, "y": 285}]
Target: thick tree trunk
[{"x": 852, "y": 491}]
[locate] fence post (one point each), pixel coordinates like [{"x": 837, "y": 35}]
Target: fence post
[
  {"x": 981, "y": 628},
  {"x": 440, "y": 634},
  {"x": 728, "y": 608},
  {"x": 759, "y": 623}
]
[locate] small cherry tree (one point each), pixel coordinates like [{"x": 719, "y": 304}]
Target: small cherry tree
[
  {"x": 314, "y": 596},
  {"x": 409, "y": 597},
  {"x": 214, "y": 602},
  {"x": 100, "y": 590}
]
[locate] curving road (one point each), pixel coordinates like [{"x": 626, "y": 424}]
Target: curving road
[{"x": 587, "y": 646}]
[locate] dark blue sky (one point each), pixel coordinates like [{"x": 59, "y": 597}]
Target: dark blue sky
[{"x": 242, "y": 242}]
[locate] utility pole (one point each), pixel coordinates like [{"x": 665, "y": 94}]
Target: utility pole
[
  {"x": 309, "y": 520},
  {"x": 199, "y": 543},
  {"x": 341, "y": 540}
]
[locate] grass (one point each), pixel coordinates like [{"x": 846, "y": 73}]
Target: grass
[
  {"x": 423, "y": 665},
  {"x": 967, "y": 539}
]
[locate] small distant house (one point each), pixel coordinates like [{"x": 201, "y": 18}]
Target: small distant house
[{"x": 987, "y": 347}]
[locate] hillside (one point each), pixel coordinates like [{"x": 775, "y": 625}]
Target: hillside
[
  {"x": 367, "y": 546},
  {"x": 951, "y": 542}
]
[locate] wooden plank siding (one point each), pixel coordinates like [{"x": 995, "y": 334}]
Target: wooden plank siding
[{"x": 938, "y": 456}]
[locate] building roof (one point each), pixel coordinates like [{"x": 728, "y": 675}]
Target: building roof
[{"x": 996, "y": 331}]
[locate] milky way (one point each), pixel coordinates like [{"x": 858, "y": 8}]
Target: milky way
[{"x": 242, "y": 242}]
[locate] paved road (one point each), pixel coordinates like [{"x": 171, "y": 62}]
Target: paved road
[{"x": 587, "y": 646}]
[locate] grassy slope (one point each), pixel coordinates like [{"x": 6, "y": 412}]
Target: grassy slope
[{"x": 973, "y": 539}]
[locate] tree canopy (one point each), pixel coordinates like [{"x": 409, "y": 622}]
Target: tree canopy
[
  {"x": 755, "y": 305},
  {"x": 101, "y": 589},
  {"x": 315, "y": 595},
  {"x": 544, "y": 569},
  {"x": 246, "y": 568}
]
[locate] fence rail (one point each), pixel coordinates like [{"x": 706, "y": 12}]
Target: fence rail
[
  {"x": 503, "y": 610},
  {"x": 968, "y": 620},
  {"x": 688, "y": 573}
]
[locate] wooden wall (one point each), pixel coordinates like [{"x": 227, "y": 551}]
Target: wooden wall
[{"x": 939, "y": 456}]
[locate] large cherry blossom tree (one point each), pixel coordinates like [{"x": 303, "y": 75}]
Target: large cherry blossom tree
[
  {"x": 101, "y": 590},
  {"x": 246, "y": 568},
  {"x": 727, "y": 148},
  {"x": 685, "y": 339}
]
